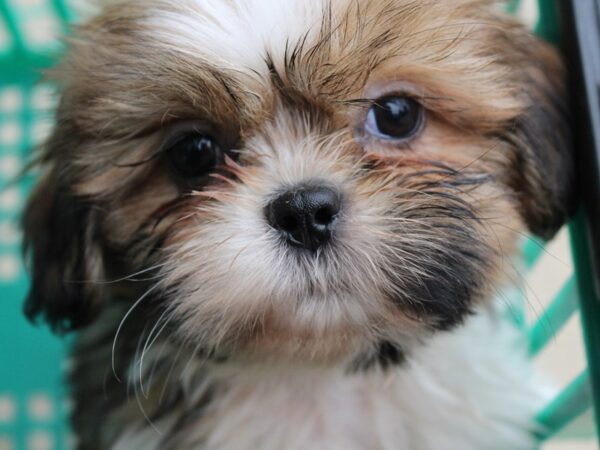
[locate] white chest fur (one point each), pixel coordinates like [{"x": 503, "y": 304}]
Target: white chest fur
[{"x": 471, "y": 389}]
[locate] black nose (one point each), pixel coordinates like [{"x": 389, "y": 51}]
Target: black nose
[{"x": 306, "y": 215}]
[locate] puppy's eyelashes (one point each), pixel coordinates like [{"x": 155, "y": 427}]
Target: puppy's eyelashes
[{"x": 395, "y": 118}]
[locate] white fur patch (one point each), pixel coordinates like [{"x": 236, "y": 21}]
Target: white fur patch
[{"x": 237, "y": 34}]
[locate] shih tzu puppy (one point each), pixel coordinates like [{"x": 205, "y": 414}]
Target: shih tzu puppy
[{"x": 282, "y": 224}]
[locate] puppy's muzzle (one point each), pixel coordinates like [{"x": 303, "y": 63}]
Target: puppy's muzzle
[{"x": 306, "y": 216}]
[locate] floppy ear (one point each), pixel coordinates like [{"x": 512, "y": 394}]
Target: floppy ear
[
  {"x": 65, "y": 259},
  {"x": 542, "y": 166}
]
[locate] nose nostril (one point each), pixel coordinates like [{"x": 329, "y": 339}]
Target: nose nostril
[
  {"x": 324, "y": 216},
  {"x": 288, "y": 223}
]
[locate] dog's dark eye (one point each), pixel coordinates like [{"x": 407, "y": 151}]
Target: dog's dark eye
[
  {"x": 195, "y": 155},
  {"x": 394, "y": 118}
]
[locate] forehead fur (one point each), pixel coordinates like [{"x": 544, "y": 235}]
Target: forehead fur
[
  {"x": 158, "y": 60},
  {"x": 239, "y": 34},
  {"x": 236, "y": 34}
]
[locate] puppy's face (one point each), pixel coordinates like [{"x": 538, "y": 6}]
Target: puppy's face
[{"x": 324, "y": 180}]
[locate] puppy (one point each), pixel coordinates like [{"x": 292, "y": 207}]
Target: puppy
[{"x": 283, "y": 224}]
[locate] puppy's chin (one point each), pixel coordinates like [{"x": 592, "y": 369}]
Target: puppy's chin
[
  {"x": 349, "y": 332},
  {"x": 273, "y": 345},
  {"x": 279, "y": 337},
  {"x": 279, "y": 345}
]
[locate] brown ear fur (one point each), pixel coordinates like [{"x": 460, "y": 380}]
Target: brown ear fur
[
  {"x": 542, "y": 168},
  {"x": 65, "y": 261}
]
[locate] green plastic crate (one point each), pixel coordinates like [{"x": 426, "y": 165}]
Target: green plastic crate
[
  {"x": 33, "y": 402},
  {"x": 33, "y": 407}
]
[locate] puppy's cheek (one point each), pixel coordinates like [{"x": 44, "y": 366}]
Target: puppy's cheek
[{"x": 447, "y": 238}]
